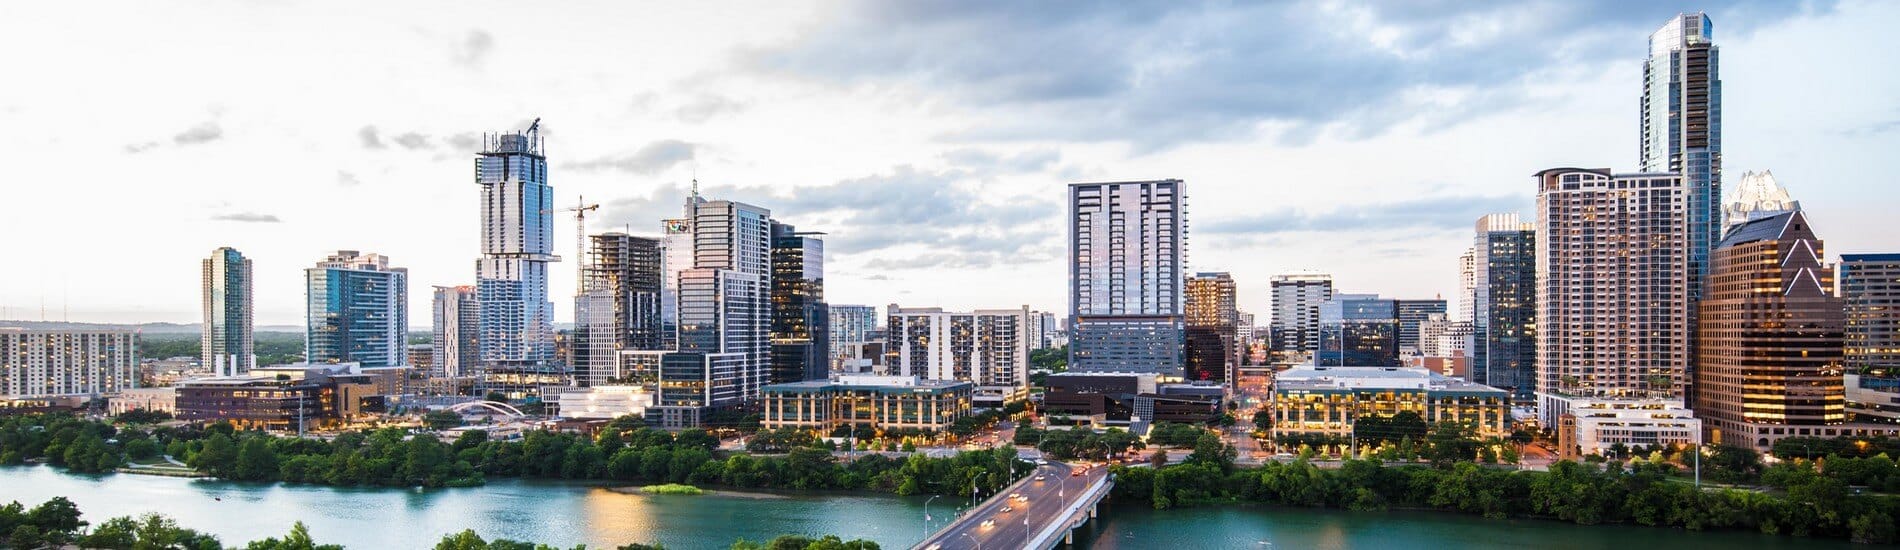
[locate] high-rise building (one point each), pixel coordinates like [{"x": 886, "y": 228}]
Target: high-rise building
[
  {"x": 227, "y": 343},
  {"x": 1211, "y": 317},
  {"x": 1870, "y": 287},
  {"x": 1358, "y": 330},
  {"x": 511, "y": 277},
  {"x": 1467, "y": 280},
  {"x": 357, "y": 311},
  {"x": 801, "y": 335},
  {"x": 724, "y": 315},
  {"x": 989, "y": 347},
  {"x": 456, "y": 331},
  {"x": 1296, "y": 300},
  {"x": 1682, "y": 129},
  {"x": 676, "y": 250},
  {"x": 1612, "y": 287},
  {"x": 1127, "y": 242},
  {"x": 850, "y": 327},
  {"x": 1757, "y": 196},
  {"x": 1051, "y": 331},
  {"x": 53, "y": 363},
  {"x": 1504, "y": 300},
  {"x": 1411, "y": 313},
  {"x": 1770, "y": 351},
  {"x": 618, "y": 307}
]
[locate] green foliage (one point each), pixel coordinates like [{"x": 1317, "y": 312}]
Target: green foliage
[
  {"x": 1069, "y": 444},
  {"x": 1815, "y": 503},
  {"x": 441, "y": 420},
  {"x": 672, "y": 489},
  {"x": 1050, "y": 359},
  {"x": 1169, "y": 434},
  {"x": 1853, "y": 447},
  {"x": 801, "y": 542},
  {"x": 141, "y": 416}
]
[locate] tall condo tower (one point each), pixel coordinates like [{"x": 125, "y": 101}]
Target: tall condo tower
[
  {"x": 1504, "y": 305},
  {"x": 1296, "y": 300},
  {"x": 226, "y": 343},
  {"x": 357, "y": 311},
  {"x": 511, "y": 277},
  {"x": 1682, "y": 134},
  {"x": 457, "y": 327},
  {"x": 1612, "y": 287},
  {"x": 1126, "y": 242}
]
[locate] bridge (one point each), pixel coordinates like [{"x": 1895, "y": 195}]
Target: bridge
[{"x": 1044, "y": 517}]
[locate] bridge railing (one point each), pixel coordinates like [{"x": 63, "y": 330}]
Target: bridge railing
[{"x": 1067, "y": 519}]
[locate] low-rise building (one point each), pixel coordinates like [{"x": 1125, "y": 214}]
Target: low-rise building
[
  {"x": 880, "y": 402},
  {"x": 144, "y": 399},
  {"x": 1597, "y": 425},
  {"x": 603, "y": 402},
  {"x": 287, "y": 398},
  {"x": 1327, "y": 400},
  {"x": 1127, "y": 399}
]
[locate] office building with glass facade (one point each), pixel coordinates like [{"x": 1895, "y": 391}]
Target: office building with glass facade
[
  {"x": 357, "y": 311},
  {"x": 1358, "y": 330},
  {"x": 801, "y": 335},
  {"x": 876, "y": 402},
  {"x": 1126, "y": 243},
  {"x": 227, "y": 343},
  {"x": 511, "y": 277},
  {"x": 1504, "y": 305}
]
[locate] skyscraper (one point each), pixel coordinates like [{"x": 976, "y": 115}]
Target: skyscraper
[
  {"x": 618, "y": 307},
  {"x": 511, "y": 278},
  {"x": 456, "y": 331},
  {"x": 49, "y": 363},
  {"x": 227, "y": 342},
  {"x": 1770, "y": 351},
  {"x": 1296, "y": 300},
  {"x": 1411, "y": 314},
  {"x": 1211, "y": 317},
  {"x": 850, "y": 325},
  {"x": 1504, "y": 302},
  {"x": 1467, "y": 280},
  {"x": 1757, "y": 196},
  {"x": 1612, "y": 287},
  {"x": 801, "y": 337},
  {"x": 989, "y": 347},
  {"x": 1125, "y": 282},
  {"x": 724, "y": 314},
  {"x": 1870, "y": 286},
  {"x": 1358, "y": 330},
  {"x": 357, "y": 311},
  {"x": 1681, "y": 112}
]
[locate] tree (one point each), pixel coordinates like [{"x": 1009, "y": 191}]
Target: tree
[
  {"x": 255, "y": 461},
  {"x": 696, "y": 438},
  {"x": 218, "y": 457},
  {"x": 441, "y": 420},
  {"x": 298, "y": 539}
]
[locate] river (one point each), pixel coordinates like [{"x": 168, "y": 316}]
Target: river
[{"x": 573, "y": 513}]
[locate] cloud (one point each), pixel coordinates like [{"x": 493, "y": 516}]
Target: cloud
[
  {"x": 247, "y": 217},
  {"x": 649, "y": 159},
  {"x": 370, "y": 137},
  {"x": 202, "y": 133},
  {"x": 706, "y": 106},
  {"x": 902, "y": 218},
  {"x": 474, "y": 48},
  {"x": 1166, "y": 72},
  {"x": 412, "y": 140},
  {"x": 347, "y": 179},
  {"x": 1428, "y": 213},
  {"x": 1027, "y": 161}
]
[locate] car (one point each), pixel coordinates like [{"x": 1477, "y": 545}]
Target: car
[
  {"x": 1006, "y": 508},
  {"x": 1020, "y": 498},
  {"x": 1042, "y": 462},
  {"x": 935, "y": 546},
  {"x": 989, "y": 523},
  {"x": 1017, "y": 496},
  {"x": 1076, "y": 473},
  {"x": 1039, "y": 477}
]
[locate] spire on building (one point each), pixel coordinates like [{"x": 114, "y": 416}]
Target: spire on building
[{"x": 1758, "y": 196}]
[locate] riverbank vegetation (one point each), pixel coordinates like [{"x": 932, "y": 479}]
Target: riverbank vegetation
[
  {"x": 1804, "y": 500},
  {"x": 623, "y": 451},
  {"x": 672, "y": 489},
  {"x": 57, "y": 523}
]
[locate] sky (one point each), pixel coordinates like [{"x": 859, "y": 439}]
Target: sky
[{"x": 932, "y": 141}]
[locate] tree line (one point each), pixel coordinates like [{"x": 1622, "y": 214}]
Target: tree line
[
  {"x": 58, "y": 523},
  {"x": 1813, "y": 503},
  {"x": 625, "y": 450}
]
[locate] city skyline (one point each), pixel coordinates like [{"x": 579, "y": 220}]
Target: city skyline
[{"x": 720, "y": 111}]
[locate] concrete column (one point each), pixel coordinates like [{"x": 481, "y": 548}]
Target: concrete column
[{"x": 1092, "y": 508}]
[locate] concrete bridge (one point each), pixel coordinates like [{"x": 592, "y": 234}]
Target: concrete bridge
[{"x": 1043, "y": 515}]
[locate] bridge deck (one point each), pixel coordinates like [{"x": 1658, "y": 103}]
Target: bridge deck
[{"x": 1039, "y": 519}]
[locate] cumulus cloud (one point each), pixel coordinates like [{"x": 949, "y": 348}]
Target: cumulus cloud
[
  {"x": 202, "y": 133},
  {"x": 412, "y": 140},
  {"x": 370, "y": 137},
  {"x": 247, "y": 217},
  {"x": 474, "y": 48},
  {"x": 1165, "y": 72},
  {"x": 704, "y": 107},
  {"x": 1428, "y": 213},
  {"x": 651, "y": 158}
]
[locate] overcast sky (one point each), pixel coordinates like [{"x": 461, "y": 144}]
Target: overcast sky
[{"x": 930, "y": 140}]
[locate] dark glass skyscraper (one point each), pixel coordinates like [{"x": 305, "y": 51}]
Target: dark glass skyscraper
[
  {"x": 1504, "y": 306},
  {"x": 1412, "y": 313},
  {"x": 800, "y": 321},
  {"x": 1358, "y": 330}
]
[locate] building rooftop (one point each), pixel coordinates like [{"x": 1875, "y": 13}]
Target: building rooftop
[
  {"x": 1306, "y": 377},
  {"x": 872, "y": 382}
]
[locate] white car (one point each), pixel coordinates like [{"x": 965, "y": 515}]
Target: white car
[
  {"x": 989, "y": 523},
  {"x": 1006, "y": 508},
  {"x": 1039, "y": 477}
]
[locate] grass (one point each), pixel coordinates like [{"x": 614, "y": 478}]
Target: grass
[{"x": 672, "y": 489}]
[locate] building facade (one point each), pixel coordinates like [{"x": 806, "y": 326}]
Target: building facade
[
  {"x": 57, "y": 363},
  {"x": 1681, "y": 114},
  {"x": 454, "y": 335},
  {"x": 1211, "y": 343},
  {"x": 1870, "y": 290},
  {"x": 1411, "y": 314},
  {"x": 877, "y": 402},
  {"x": 1504, "y": 306},
  {"x": 227, "y": 342},
  {"x": 850, "y": 327},
  {"x": 1125, "y": 276},
  {"x": 1296, "y": 300},
  {"x": 618, "y": 307},
  {"x": 987, "y": 347},
  {"x": 1358, "y": 330},
  {"x": 516, "y": 318},
  {"x": 356, "y": 311},
  {"x": 801, "y": 334},
  {"x": 1769, "y": 356},
  {"x": 1310, "y": 400},
  {"x": 1612, "y": 287}
]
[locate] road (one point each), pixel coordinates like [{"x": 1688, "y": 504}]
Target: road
[{"x": 1044, "y": 502}]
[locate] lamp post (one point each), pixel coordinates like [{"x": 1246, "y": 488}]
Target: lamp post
[{"x": 927, "y": 514}]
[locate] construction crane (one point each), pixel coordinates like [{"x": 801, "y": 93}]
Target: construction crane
[{"x": 580, "y": 210}]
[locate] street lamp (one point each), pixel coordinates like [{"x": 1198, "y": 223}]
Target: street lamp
[{"x": 927, "y": 514}]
